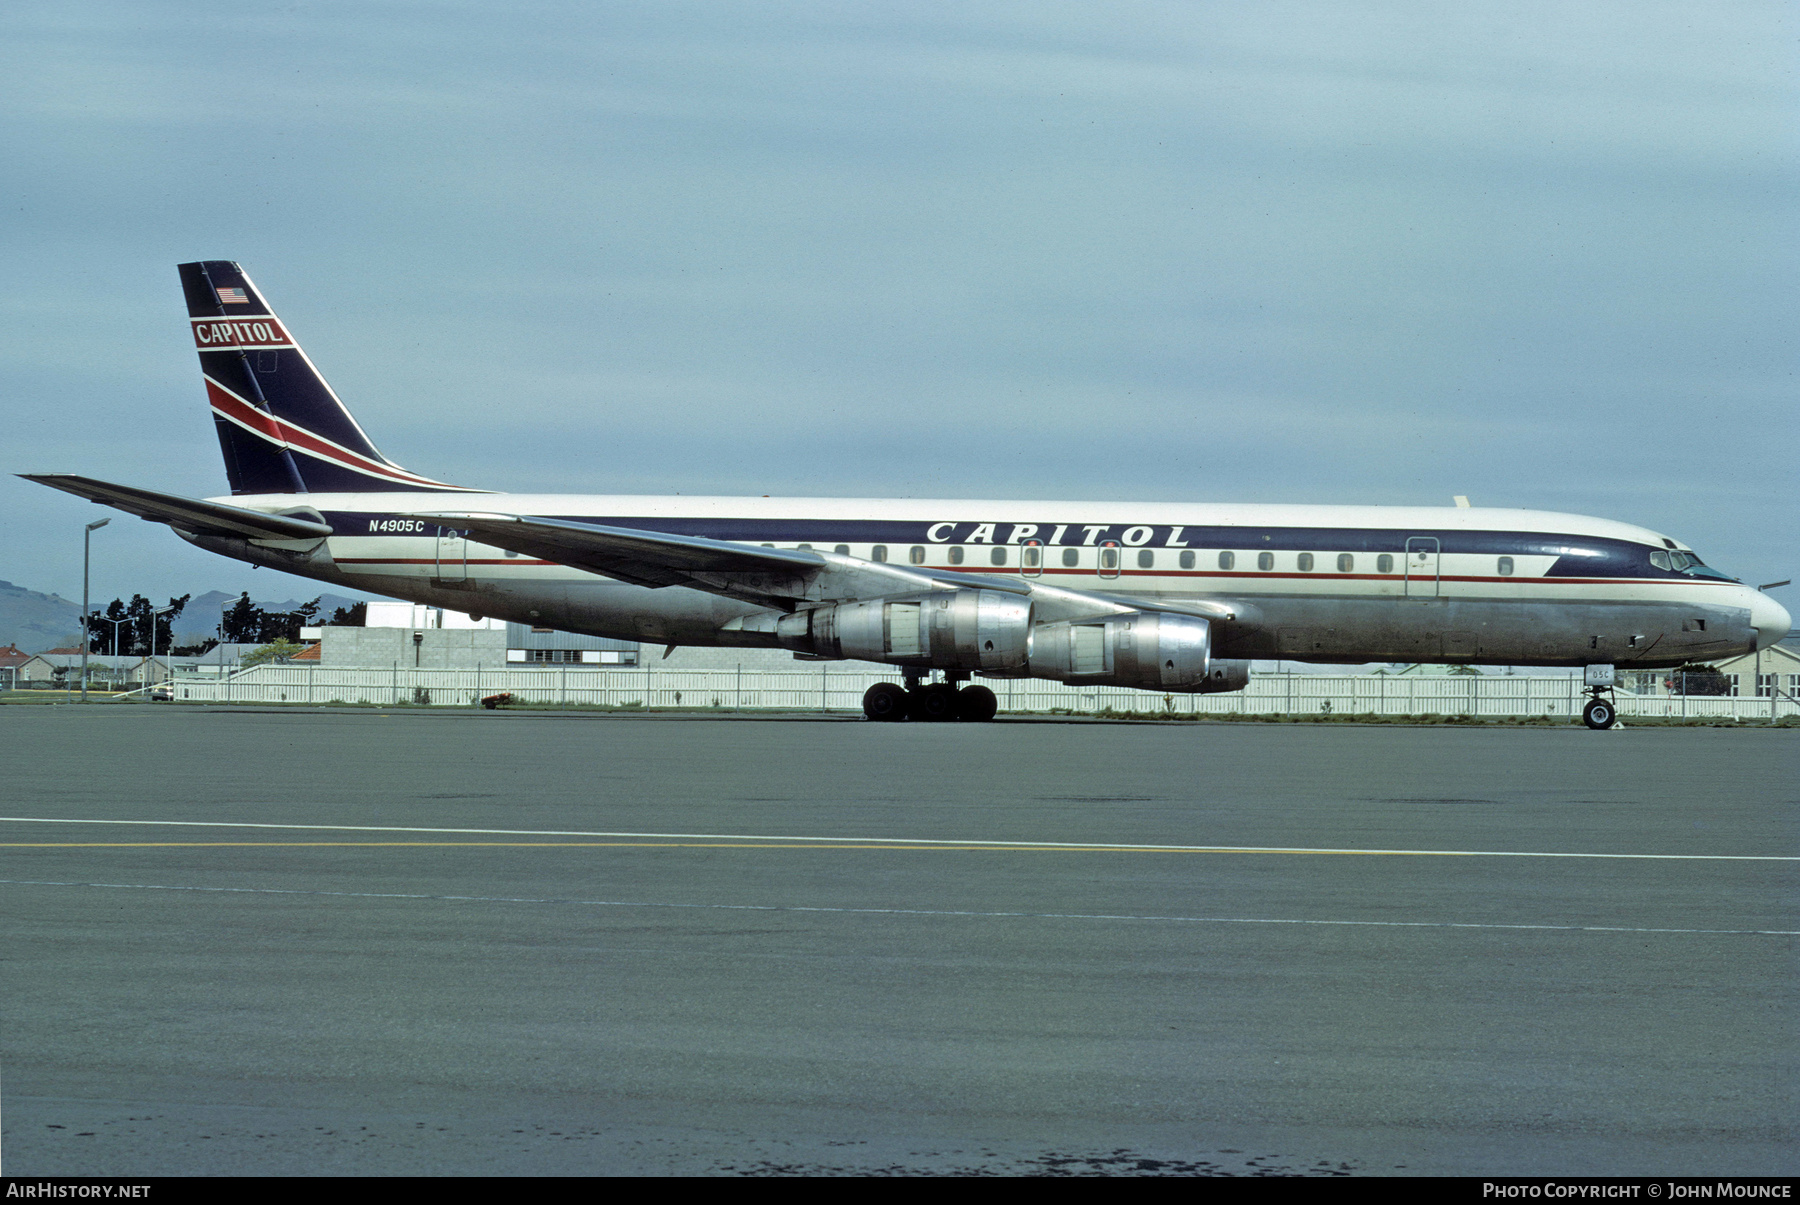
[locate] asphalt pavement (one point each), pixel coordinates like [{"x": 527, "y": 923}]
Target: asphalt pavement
[{"x": 447, "y": 942}]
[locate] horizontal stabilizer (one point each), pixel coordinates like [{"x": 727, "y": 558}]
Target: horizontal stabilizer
[
  {"x": 189, "y": 514},
  {"x": 645, "y": 558}
]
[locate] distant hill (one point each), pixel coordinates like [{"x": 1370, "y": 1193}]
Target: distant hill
[{"x": 36, "y": 622}]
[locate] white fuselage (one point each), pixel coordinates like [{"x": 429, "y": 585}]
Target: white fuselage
[{"x": 1326, "y": 583}]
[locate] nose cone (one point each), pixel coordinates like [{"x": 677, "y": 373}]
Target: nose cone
[{"x": 1770, "y": 619}]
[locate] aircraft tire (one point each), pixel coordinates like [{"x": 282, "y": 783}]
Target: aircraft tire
[
  {"x": 934, "y": 703},
  {"x": 976, "y": 704},
  {"x": 1599, "y": 714},
  {"x": 885, "y": 701}
]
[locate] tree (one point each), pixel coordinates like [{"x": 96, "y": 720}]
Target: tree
[
  {"x": 246, "y": 623},
  {"x": 138, "y": 627},
  {"x": 105, "y": 636},
  {"x": 286, "y": 625},
  {"x": 242, "y": 621},
  {"x": 350, "y": 617}
]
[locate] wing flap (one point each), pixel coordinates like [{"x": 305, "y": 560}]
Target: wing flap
[{"x": 190, "y": 514}]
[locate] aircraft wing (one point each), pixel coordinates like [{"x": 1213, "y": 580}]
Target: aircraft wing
[
  {"x": 784, "y": 576},
  {"x": 189, "y": 514},
  {"x": 644, "y": 558}
]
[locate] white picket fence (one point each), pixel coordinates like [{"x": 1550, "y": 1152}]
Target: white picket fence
[{"x": 829, "y": 689}]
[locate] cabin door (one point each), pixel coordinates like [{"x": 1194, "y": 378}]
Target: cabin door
[
  {"x": 1422, "y": 567},
  {"x": 452, "y": 556}
]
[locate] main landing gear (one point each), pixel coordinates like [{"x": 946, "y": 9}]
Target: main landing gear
[{"x": 930, "y": 703}]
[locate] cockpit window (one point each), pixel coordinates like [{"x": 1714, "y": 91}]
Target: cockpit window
[{"x": 1687, "y": 563}]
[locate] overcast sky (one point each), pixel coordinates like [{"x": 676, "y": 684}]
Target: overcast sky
[{"x": 1542, "y": 255}]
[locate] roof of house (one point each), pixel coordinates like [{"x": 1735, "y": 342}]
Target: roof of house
[
  {"x": 1777, "y": 658},
  {"x": 94, "y": 661}
]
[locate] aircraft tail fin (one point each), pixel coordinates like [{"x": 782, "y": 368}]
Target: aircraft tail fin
[{"x": 281, "y": 428}]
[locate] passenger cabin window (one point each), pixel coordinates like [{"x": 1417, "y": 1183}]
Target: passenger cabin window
[
  {"x": 1071, "y": 556},
  {"x": 1226, "y": 559},
  {"x": 956, "y": 554},
  {"x": 803, "y": 546},
  {"x": 1384, "y": 563},
  {"x": 842, "y": 549},
  {"x": 1146, "y": 558},
  {"x": 997, "y": 557},
  {"x": 878, "y": 553},
  {"x": 1346, "y": 563},
  {"x": 1506, "y": 566},
  {"x": 1108, "y": 564},
  {"x": 917, "y": 555},
  {"x": 1031, "y": 558},
  {"x": 1305, "y": 562},
  {"x": 1265, "y": 560}
]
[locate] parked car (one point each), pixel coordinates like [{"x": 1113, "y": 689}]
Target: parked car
[{"x": 162, "y": 694}]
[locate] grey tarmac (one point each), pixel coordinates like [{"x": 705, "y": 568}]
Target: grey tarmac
[{"x": 454, "y": 942}]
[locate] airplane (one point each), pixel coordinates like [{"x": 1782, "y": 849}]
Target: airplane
[{"x": 1163, "y": 597}]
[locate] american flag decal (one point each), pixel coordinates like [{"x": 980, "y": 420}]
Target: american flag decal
[{"x": 232, "y": 297}]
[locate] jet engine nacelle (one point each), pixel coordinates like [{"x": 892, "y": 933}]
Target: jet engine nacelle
[
  {"x": 944, "y": 629},
  {"x": 1143, "y": 650}
]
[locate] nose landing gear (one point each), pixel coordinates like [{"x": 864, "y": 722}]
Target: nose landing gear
[
  {"x": 1601, "y": 711},
  {"x": 941, "y": 701}
]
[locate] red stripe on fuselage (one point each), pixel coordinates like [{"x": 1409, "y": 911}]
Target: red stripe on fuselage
[{"x": 431, "y": 560}]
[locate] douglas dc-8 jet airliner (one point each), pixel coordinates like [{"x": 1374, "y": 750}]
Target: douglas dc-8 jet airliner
[{"x": 1157, "y": 596}]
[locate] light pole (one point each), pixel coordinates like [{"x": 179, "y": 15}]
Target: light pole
[
  {"x": 86, "y": 538},
  {"x": 115, "y": 636},
  {"x": 115, "y": 639}
]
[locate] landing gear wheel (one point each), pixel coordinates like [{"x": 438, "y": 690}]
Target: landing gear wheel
[
  {"x": 1599, "y": 713},
  {"x": 934, "y": 703},
  {"x": 976, "y": 704},
  {"x": 885, "y": 701}
]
